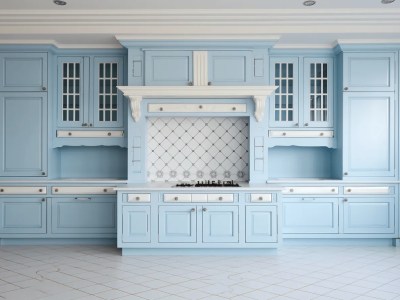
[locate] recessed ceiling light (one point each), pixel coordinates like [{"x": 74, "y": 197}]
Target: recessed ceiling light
[
  {"x": 311, "y": 2},
  {"x": 59, "y": 2},
  {"x": 387, "y": 1}
]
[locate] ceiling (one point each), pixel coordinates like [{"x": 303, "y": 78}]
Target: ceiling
[{"x": 94, "y": 23}]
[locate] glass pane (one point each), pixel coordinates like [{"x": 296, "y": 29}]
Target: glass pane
[
  {"x": 318, "y": 101},
  {"x": 107, "y": 102},
  {"x": 77, "y": 101},
  {"x": 114, "y": 86},
  {"x": 283, "y": 102},
  {"x": 65, "y": 101},
  {"x": 70, "y": 115},
  {"x": 312, "y": 115},
  {"x": 71, "y": 70},
  {"x": 325, "y": 83},
  {"x": 318, "y": 86},
  {"x": 108, "y": 87},
  {"x": 325, "y": 72},
  {"x": 277, "y": 115},
  {"x": 283, "y": 115},
  {"x": 101, "y": 86},
  {"x": 325, "y": 102},
  {"x": 77, "y": 115},
  {"x": 290, "y": 115},
  {"x": 318, "y": 116},
  {"x": 283, "y": 87},
  {"x": 65, "y": 115},
  {"x": 114, "y": 115},
  {"x": 65, "y": 86},
  {"x": 114, "y": 71},
  {"x": 312, "y": 88},
  {"x": 107, "y": 117},
  {"x": 71, "y": 86},
  {"x": 290, "y": 101},
  {"x": 71, "y": 101},
  {"x": 114, "y": 102},
  {"x": 312, "y": 102},
  {"x": 283, "y": 73},
  {"x": 325, "y": 116},
  {"x": 77, "y": 70},
  {"x": 77, "y": 86},
  {"x": 318, "y": 72},
  {"x": 65, "y": 70},
  {"x": 290, "y": 70},
  {"x": 101, "y": 102},
  {"x": 277, "y": 83},
  {"x": 312, "y": 70},
  {"x": 277, "y": 71},
  {"x": 101, "y": 70},
  {"x": 290, "y": 86},
  {"x": 108, "y": 70},
  {"x": 101, "y": 113},
  {"x": 277, "y": 100}
]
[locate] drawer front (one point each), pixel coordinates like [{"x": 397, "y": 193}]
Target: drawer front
[
  {"x": 199, "y": 107},
  {"x": 261, "y": 198},
  {"x": 23, "y": 190},
  {"x": 90, "y": 133},
  {"x": 177, "y": 198},
  {"x": 301, "y": 133},
  {"x": 367, "y": 190},
  {"x": 310, "y": 190},
  {"x": 95, "y": 190},
  {"x": 199, "y": 197},
  {"x": 138, "y": 197},
  {"x": 220, "y": 197}
]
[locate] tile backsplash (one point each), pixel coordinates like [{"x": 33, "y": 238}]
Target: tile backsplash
[{"x": 197, "y": 148}]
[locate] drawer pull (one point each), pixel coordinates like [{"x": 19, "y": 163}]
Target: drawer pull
[
  {"x": 105, "y": 190},
  {"x": 193, "y": 210},
  {"x": 204, "y": 209},
  {"x": 345, "y": 173},
  {"x": 234, "y": 108},
  {"x": 109, "y": 134},
  {"x": 83, "y": 198},
  {"x": 345, "y": 200},
  {"x": 43, "y": 199},
  {"x": 176, "y": 198},
  {"x": 40, "y": 190},
  {"x": 200, "y": 106},
  {"x": 220, "y": 198},
  {"x": 161, "y": 109},
  {"x": 137, "y": 198},
  {"x": 1, "y": 190},
  {"x": 260, "y": 198},
  {"x": 56, "y": 190},
  {"x": 321, "y": 134},
  {"x": 69, "y": 133},
  {"x": 291, "y": 190},
  {"x": 284, "y": 133},
  {"x": 349, "y": 190},
  {"x": 333, "y": 190}
]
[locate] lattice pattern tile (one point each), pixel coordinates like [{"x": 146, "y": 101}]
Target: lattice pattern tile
[{"x": 189, "y": 148}]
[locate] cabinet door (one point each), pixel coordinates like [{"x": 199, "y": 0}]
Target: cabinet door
[
  {"x": 310, "y": 215},
  {"x": 23, "y": 129},
  {"x": 261, "y": 224},
  {"x": 368, "y": 215},
  {"x": 368, "y": 134},
  {"x": 177, "y": 224},
  {"x": 168, "y": 67},
  {"x": 107, "y": 100},
  {"x": 318, "y": 92},
  {"x": 72, "y": 92},
  {"x": 230, "y": 67},
  {"x": 22, "y": 215},
  {"x": 368, "y": 71},
  {"x": 136, "y": 224},
  {"x": 220, "y": 224},
  {"x": 84, "y": 215},
  {"x": 23, "y": 72},
  {"x": 285, "y": 104}
]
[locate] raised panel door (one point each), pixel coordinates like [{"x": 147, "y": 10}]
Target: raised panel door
[
  {"x": 168, "y": 67},
  {"x": 23, "y": 72},
  {"x": 177, "y": 224},
  {"x": 261, "y": 224},
  {"x": 369, "y": 215},
  {"x": 136, "y": 224},
  {"x": 310, "y": 215},
  {"x": 22, "y": 215},
  {"x": 368, "y": 134},
  {"x": 23, "y": 126},
  {"x": 220, "y": 224},
  {"x": 82, "y": 215}
]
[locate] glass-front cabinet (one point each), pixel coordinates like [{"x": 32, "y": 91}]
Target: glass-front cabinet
[{"x": 314, "y": 107}]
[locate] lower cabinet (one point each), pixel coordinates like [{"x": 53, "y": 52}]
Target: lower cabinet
[
  {"x": 369, "y": 215},
  {"x": 22, "y": 215},
  {"x": 136, "y": 224},
  {"x": 310, "y": 215},
  {"x": 84, "y": 215},
  {"x": 261, "y": 224},
  {"x": 179, "y": 224}
]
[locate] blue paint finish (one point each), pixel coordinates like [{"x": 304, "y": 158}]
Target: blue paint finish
[
  {"x": 261, "y": 224},
  {"x": 220, "y": 224},
  {"x": 136, "y": 224}
]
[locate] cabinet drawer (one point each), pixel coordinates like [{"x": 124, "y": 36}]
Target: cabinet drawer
[
  {"x": 220, "y": 197},
  {"x": 23, "y": 190},
  {"x": 260, "y": 198},
  {"x": 138, "y": 197},
  {"x": 199, "y": 107},
  {"x": 177, "y": 198},
  {"x": 366, "y": 190},
  {"x": 199, "y": 197},
  {"x": 301, "y": 133},
  {"x": 90, "y": 133},
  {"x": 96, "y": 190},
  {"x": 310, "y": 190}
]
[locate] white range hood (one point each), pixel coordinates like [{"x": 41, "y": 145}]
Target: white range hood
[{"x": 258, "y": 94}]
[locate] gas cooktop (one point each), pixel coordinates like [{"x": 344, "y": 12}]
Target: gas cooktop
[{"x": 209, "y": 183}]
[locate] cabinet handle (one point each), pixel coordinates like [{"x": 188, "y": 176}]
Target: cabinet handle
[
  {"x": 260, "y": 198},
  {"x": 43, "y": 173},
  {"x": 291, "y": 190},
  {"x": 234, "y": 108},
  {"x": 137, "y": 198},
  {"x": 190, "y": 83},
  {"x": 69, "y": 133},
  {"x": 109, "y": 134},
  {"x": 220, "y": 198},
  {"x": 90, "y": 125},
  {"x": 43, "y": 199},
  {"x": 1, "y": 190},
  {"x": 333, "y": 190},
  {"x": 43, "y": 88},
  {"x": 176, "y": 198},
  {"x": 346, "y": 88},
  {"x": 306, "y": 124},
  {"x": 345, "y": 173},
  {"x": 321, "y": 134},
  {"x": 345, "y": 200},
  {"x": 83, "y": 198},
  {"x": 284, "y": 133},
  {"x": 193, "y": 210},
  {"x": 84, "y": 124},
  {"x": 204, "y": 209},
  {"x": 55, "y": 190},
  {"x": 209, "y": 83},
  {"x": 40, "y": 190},
  {"x": 349, "y": 190},
  {"x": 161, "y": 109},
  {"x": 296, "y": 125},
  {"x": 105, "y": 190},
  {"x": 200, "y": 106}
]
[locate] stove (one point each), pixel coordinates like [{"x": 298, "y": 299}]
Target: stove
[{"x": 209, "y": 183}]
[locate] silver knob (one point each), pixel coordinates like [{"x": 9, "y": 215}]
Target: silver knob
[
  {"x": 200, "y": 106},
  {"x": 305, "y": 124},
  {"x": 333, "y": 190},
  {"x": 209, "y": 83},
  {"x": 220, "y": 198},
  {"x": 284, "y": 133},
  {"x": 321, "y": 134},
  {"x": 193, "y": 210},
  {"x": 345, "y": 200},
  {"x": 234, "y": 108},
  {"x": 190, "y": 83},
  {"x": 345, "y": 173},
  {"x": 176, "y": 198},
  {"x": 297, "y": 124},
  {"x": 346, "y": 88},
  {"x": 260, "y": 198},
  {"x": 204, "y": 209},
  {"x": 105, "y": 190},
  {"x": 291, "y": 190},
  {"x": 161, "y": 109},
  {"x": 84, "y": 124},
  {"x": 43, "y": 88},
  {"x": 40, "y": 190},
  {"x": 137, "y": 198},
  {"x": 1, "y": 190},
  {"x": 109, "y": 134},
  {"x": 349, "y": 190},
  {"x": 43, "y": 199},
  {"x": 90, "y": 125},
  {"x": 56, "y": 190},
  {"x": 43, "y": 173},
  {"x": 69, "y": 133}
]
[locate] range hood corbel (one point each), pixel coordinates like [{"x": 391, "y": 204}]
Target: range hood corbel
[{"x": 258, "y": 94}]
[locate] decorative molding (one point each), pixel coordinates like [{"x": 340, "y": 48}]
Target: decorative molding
[
  {"x": 200, "y": 67},
  {"x": 259, "y": 94}
]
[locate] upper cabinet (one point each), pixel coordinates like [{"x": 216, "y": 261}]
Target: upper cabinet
[
  {"x": 312, "y": 108},
  {"x": 23, "y": 72},
  {"x": 368, "y": 71},
  {"x": 89, "y": 104},
  {"x": 215, "y": 67}
]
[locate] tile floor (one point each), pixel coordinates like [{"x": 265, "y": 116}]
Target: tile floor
[{"x": 294, "y": 272}]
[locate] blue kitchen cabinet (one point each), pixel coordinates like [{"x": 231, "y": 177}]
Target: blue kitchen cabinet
[
  {"x": 230, "y": 67},
  {"x": 261, "y": 224},
  {"x": 220, "y": 224},
  {"x": 310, "y": 215},
  {"x": 23, "y": 72},
  {"x": 311, "y": 109},
  {"x": 23, "y": 130},
  {"x": 168, "y": 67},
  {"x": 22, "y": 215},
  {"x": 87, "y": 92},
  {"x": 84, "y": 215},
  {"x": 369, "y": 71},
  {"x": 177, "y": 224},
  {"x": 365, "y": 215},
  {"x": 136, "y": 224},
  {"x": 368, "y": 135}
]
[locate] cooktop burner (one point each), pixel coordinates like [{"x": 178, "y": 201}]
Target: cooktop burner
[{"x": 208, "y": 183}]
